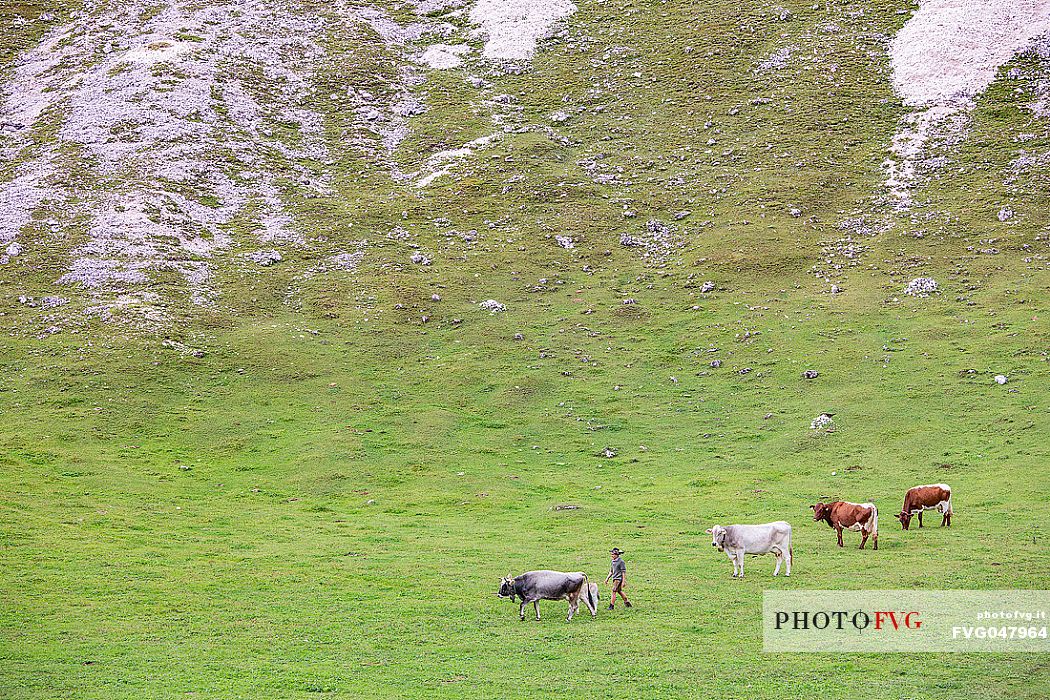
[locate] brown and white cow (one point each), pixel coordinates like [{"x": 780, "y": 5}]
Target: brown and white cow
[
  {"x": 929, "y": 497},
  {"x": 843, "y": 515}
]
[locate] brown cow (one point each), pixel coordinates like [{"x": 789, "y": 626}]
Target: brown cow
[
  {"x": 930, "y": 497},
  {"x": 843, "y": 515}
]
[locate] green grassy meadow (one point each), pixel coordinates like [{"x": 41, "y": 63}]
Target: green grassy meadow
[{"x": 322, "y": 503}]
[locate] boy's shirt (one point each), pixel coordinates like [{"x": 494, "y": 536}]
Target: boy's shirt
[{"x": 618, "y": 569}]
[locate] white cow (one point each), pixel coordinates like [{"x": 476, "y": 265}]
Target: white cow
[{"x": 738, "y": 540}]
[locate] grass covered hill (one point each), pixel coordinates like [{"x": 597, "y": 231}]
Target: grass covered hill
[{"x": 260, "y": 438}]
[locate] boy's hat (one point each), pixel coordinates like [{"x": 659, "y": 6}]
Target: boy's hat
[{"x": 615, "y": 550}]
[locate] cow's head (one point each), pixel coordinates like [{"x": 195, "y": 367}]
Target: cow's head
[
  {"x": 820, "y": 511},
  {"x": 718, "y": 537},
  {"x": 905, "y": 518},
  {"x": 506, "y": 587}
]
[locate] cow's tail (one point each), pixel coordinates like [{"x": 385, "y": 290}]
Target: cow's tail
[
  {"x": 875, "y": 519},
  {"x": 592, "y": 602}
]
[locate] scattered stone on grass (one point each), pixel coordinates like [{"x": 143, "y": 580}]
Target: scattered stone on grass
[
  {"x": 493, "y": 306},
  {"x": 264, "y": 258},
  {"x": 823, "y": 422},
  {"x": 921, "y": 287}
]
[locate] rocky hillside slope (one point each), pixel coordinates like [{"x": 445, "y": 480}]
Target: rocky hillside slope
[
  {"x": 162, "y": 163},
  {"x": 320, "y": 317}
]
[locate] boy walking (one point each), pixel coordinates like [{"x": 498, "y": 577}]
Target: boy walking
[{"x": 617, "y": 573}]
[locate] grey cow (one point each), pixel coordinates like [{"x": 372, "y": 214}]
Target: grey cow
[
  {"x": 534, "y": 586},
  {"x": 738, "y": 540}
]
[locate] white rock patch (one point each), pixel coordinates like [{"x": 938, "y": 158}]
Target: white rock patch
[
  {"x": 444, "y": 56},
  {"x": 822, "y": 422},
  {"x": 157, "y": 52},
  {"x": 922, "y": 287},
  {"x": 945, "y": 55},
  {"x": 424, "y": 7},
  {"x": 493, "y": 306},
  {"x": 442, "y": 162},
  {"x": 512, "y": 29},
  {"x": 950, "y": 50}
]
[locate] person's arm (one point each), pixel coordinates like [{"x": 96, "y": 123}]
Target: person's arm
[{"x": 608, "y": 577}]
